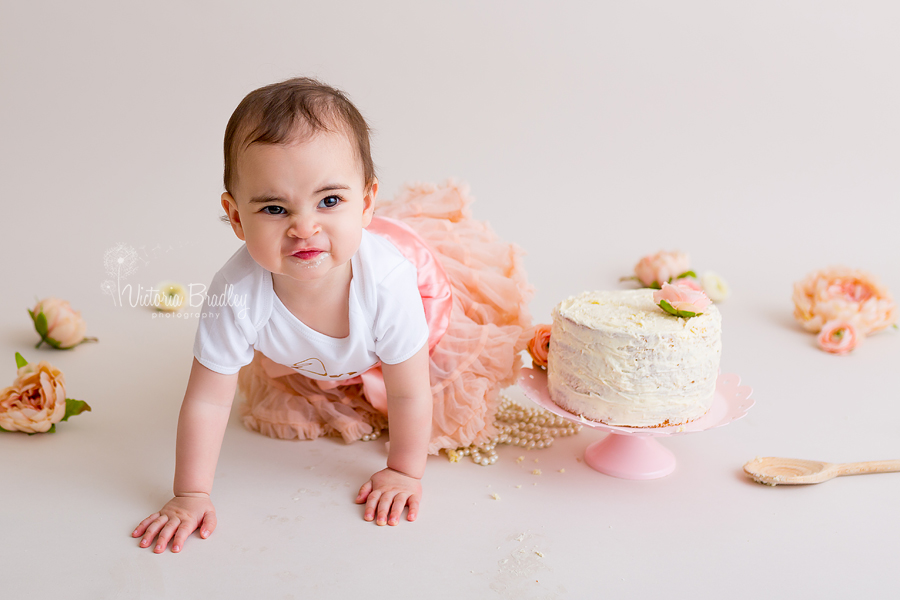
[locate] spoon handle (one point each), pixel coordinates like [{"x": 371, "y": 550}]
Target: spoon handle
[{"x": 872, "y": 466}]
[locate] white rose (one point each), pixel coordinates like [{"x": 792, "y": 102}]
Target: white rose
[{"x": 715, "y": 287}]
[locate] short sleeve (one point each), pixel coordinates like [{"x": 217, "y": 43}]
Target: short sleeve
[
  {"x": 225, "y": 335},
  {"x": 400, "y": 326}
]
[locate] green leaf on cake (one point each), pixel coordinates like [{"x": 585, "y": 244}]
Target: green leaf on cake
[
  {"x": 663, "y": 304},
  {"x": 684, "y": 314},
  {"x": 20, "y": 361}
]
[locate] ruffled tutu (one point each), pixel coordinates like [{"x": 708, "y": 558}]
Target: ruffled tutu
[{"x": 471, "y": 362}]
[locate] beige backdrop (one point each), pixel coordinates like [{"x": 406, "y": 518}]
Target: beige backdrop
[{"x": 760, "y": 137}]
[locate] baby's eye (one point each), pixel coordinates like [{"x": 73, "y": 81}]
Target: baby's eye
[
  {"x": 272, "y": 209},
  {"x": 329, "y": 202}
]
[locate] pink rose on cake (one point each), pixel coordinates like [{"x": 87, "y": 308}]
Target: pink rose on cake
[
  {"x": 58, "y": 324},
  {"x": 843, "y": 294},
  {"x": 539, "y": 345},
  {"x": 688, "y": 283},
  {"x": 36, "y": 400},
  {"x": 663, "y": 267},
  {"x": 681, "y": 300}
]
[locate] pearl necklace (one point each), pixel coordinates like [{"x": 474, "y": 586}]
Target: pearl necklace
[{"x": 516, "y": 425}]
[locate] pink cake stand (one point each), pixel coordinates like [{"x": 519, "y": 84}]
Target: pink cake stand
[{"x": 631, "y": 452}]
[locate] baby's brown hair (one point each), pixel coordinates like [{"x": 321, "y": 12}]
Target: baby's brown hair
[{"x": 299, "y": 107}]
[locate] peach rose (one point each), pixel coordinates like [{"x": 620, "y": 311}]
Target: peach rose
[
  {"x": 843, "y": 294},
  {"x": 539, "y": 345},
  {"x": 662, "y": 267},
  {"x": 838, "y": 337},
  {"x": 35, "y": 401},
  {"x": 57, "y": 323},
  {"x": 680, "y": 300}
]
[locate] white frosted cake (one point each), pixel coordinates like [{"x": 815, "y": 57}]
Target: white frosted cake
[{"x": 617, "y": 358}]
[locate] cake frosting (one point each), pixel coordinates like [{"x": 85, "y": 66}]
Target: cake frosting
[{"x": 617, "y": 358}]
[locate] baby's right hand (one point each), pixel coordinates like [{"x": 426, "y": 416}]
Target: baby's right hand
[{"x": 180, "y": 517}]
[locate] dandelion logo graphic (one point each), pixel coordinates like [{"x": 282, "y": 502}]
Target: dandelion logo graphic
[{"x": 119, "y": 261}]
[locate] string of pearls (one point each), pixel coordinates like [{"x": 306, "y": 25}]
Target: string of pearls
[
  {"x": 517, "y": 425},
  {"x": 376, "y": 433}
]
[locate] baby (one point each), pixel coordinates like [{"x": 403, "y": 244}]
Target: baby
[{"x": 340, "y": 318}]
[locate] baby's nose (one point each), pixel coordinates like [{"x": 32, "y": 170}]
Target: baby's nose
[{"x": 304, "y": 226}]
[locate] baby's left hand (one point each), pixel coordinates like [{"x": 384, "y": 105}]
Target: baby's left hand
[{"x": 386, "y": 494}]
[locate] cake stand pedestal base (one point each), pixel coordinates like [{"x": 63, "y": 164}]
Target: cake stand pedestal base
[{"x": 630, "y": 457}]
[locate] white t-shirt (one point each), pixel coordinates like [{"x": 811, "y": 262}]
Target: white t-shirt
[{"x": 242, "y": 313}]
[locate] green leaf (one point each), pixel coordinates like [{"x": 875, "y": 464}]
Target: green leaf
[
  {"x": 684, "y": 314},
  {"x": 687, "y": 274},
  {"x": 54, "y": 343},
  {"x": 52, "y": 429},
  {"x": 75, "y": 407},
  {"x": 655, "y": 286},
  {"x": 40, "y": 324},
  {"x": 6, "y": 430},
  {"x": 20, "y": 361},
  {"x": 663, "y": 304}
]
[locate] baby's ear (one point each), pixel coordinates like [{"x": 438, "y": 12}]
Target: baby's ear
[
  {"x": 229, "y": 204},
  {"x": 369, "y": 203}
]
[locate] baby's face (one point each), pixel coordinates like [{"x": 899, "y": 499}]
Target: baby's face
[{"x": 301, "y": 207}]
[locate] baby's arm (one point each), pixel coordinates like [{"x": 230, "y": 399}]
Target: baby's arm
[
  {"x": 409, "y": 412},
  {"x": 201, "y": 427}
]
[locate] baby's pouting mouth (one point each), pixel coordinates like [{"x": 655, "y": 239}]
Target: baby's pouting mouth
[
  {"x": 311, "y": 257},
  {"x": 308, "y": 253}
]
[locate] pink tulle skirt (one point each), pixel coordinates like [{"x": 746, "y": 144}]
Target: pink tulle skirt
[{"x": 471, "y": 361}]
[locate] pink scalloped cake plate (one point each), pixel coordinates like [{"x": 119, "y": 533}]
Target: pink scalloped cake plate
[
  {"x": 731, "y": 402},
  {"x": 631, "y": 452}
]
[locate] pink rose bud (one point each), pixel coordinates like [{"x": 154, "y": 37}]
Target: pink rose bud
[
  {"x": 58, "y": 324},
  {"x": 662, "y": 267},
  {"x": 838, "y": 337},
  {"x": 680, "y": 300}
]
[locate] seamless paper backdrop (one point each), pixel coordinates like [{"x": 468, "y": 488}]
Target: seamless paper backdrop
[{"x": 761, "y": 138}]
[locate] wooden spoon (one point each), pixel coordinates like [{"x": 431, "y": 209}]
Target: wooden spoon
[{"x": 793, "y": 471}]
